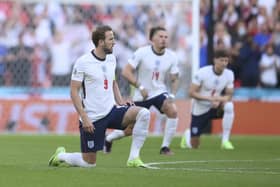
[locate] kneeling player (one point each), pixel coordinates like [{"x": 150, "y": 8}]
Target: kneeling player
[{"x": 211, "y": 90}]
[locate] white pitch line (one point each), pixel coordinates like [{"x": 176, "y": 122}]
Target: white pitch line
[
  {"x": 225, "y": 170},
  {"x": 207, "y": 161}
]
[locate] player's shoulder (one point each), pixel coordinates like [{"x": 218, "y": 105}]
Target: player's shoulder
[
  {"x": 229, "y": 73},
  {"x": 111, "y": 57},
  {"x": 83, "y": 59},
  {"x": 170, "y": 52},
  {"x": 206, "y": 69},
  {"x": 144, "y": 49}
]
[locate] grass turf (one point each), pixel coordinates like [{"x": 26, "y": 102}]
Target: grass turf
[{"x": 255, "y": 162}]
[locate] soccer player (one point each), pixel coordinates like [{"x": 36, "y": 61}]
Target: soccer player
[
  {"x": 153, "y": 64},
  {"x": 211, "y": 90},
  {"x": 97, "y": 99}
]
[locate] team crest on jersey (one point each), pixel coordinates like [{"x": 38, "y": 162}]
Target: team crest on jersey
[
  {"x": 216, "y": 82},
  {"x": 157, "y": 63},
  {"x": 104, "y": 69},
  {"x": 90, "y": 144}
]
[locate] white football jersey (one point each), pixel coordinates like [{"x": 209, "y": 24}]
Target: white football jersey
[
  {"x": 152, "y": 70},
  {"x": 210, "y": 84},
  {"x": 97, "y": 89}
]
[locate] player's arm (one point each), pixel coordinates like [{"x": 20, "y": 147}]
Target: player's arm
[
  {"x": 77, "y": 102},
  {"x": 128, "y": 73},
  {"x": 117, "y": 93},
  {"x": 194, "y": 93},
  {"x": 174, "y": 83},
  {"x": 228, "y": 92},
  {"x": 227, "y": 96}
]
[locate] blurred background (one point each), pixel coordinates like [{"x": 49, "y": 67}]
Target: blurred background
[{"x": 40, "y": 41}]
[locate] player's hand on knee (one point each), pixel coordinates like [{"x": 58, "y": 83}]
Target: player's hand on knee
[
  {"x": 88, "y": 126},
  {"x": 129, "y": 103},
  {"x": 216, "y": 104}
]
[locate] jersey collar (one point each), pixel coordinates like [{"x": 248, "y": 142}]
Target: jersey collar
[
  {"x": 100, "y": 59},
  {"x": 156, "y": 53}
]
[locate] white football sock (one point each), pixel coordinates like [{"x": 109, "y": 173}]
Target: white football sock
[
  {"x": 74, "y": 159},
  {"x": 160, "y": 119},
  {"x": 227, "y": 120},
  {"x": 139, "y": 133},
  {"x": 187, "y": 135},
  {"x": 169, "y": 131},
  {"x": 115, "y": 135}
]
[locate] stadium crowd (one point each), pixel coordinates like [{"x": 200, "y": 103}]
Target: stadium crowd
[
  {"x": 40, "y": 41},
  {"x": 250, "y": 29}
]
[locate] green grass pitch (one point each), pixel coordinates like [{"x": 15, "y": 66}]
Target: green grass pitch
[{"x": 255, "y": 162}]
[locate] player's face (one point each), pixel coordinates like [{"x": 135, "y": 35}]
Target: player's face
[
  {"x": 160, "y": 39},
  {"x": 109, "y": 42},
  {"x": 220, "y": 64}
]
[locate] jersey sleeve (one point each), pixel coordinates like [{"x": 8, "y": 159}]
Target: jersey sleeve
[
  {"x": 230, "y": 80},
  {"x": 78, "y": 72},
  {"x": 174, "y": 68},
  {"x": 198, "y": 77},
  {"x": 135, "y": 59},
  {"x": 115, "y": 66}
]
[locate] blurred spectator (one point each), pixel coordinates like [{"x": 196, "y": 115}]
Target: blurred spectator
[
  {"x": 244, "y": 27},
  {"x": 61, "y": 63},
  {"x": 241, "y": 31},
  {"x": 42, "y": 23},
  {"x": 19, "y": 61},
  {"x": 249, "y": 57},
  {"x": 263, "y": 36},
  {"x": 41, "y": 67},
  {"x": 221, "y": 36},
  {"x": 276, "y": 37},
  {"x": 269, "y": 66},
  {"x": 235, "y": 62},
  {"x": 3, "y": 53},
  {"x": 230, "y": 18}
]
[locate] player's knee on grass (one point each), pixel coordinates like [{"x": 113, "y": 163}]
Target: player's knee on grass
[{"x": 195, "y": 142}]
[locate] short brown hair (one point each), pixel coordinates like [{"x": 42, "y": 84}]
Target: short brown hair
[
  {"x": 220, "y": 53},
  {"x": 99, "y": 34},
  {"x": 154, "y": 30}
]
